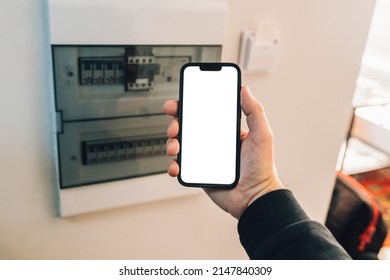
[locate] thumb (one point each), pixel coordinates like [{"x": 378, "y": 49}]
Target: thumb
[{"x": 254, "y": 112}]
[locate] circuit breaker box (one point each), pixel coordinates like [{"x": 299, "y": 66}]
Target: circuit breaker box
[
  {"x": 109, "y": 108},
  {"x": 109, "y": 89}
]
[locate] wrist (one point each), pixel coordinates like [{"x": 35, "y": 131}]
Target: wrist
[
  {"x": 265, "y": 187},
  {"x": 245, "y": 195}
]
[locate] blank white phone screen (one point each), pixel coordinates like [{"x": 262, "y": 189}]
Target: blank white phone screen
[{"x": 209, "y": 126}]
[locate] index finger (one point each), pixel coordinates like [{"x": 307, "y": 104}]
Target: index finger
[{"x": 170, "y": 107}]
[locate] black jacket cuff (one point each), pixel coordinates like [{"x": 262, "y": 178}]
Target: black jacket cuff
[{"x": 267, "y": 216}]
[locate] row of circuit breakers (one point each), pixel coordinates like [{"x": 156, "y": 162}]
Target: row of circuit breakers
[
  {"x": 126, "y": 149},
  {"x": 109, "y": 103},
  {"x": 136, "y": 70}
]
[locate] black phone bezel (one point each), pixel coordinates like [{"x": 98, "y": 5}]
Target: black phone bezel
[{"x": 211, "y": 66}]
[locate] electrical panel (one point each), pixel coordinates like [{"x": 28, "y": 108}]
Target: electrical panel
[
  {"x": 114, "y": 64},
  {"x": 110, "y": 124}
]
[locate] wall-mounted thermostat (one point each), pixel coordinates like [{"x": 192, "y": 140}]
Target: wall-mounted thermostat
[{"x": 115, "y": 63}]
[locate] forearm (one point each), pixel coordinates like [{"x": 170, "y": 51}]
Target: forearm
[{"x": 276, "y": 227}]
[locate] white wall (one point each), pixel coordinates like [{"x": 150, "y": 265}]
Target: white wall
[
  {"x": 378, "y": 41},
  {"x": 376, "y": 59},
  {"x": 307, "y": 98}
]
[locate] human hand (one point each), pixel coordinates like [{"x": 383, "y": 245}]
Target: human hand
[{"x": 258, "y": 174}]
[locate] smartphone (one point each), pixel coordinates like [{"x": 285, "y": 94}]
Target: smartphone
[{"x": 209, "y": 116}]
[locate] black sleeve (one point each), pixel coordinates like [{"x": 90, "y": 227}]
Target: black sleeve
[{"x": 276, "y": 227}]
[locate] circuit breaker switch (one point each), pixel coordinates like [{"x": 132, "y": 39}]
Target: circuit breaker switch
[
  {"x": 141, "y": 68},
  {"x": 100, "y": 70}
]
